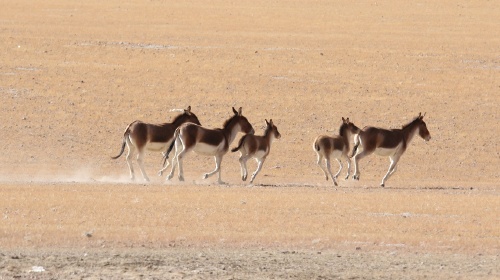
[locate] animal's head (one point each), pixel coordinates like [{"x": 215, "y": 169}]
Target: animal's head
[
  {"x": 242, "y": 121},
  {"x": 189, "y": 116},
  {"x": 271, "y": 128},
  {"x": 422, "y": 127},
  {"x": 348, "y": 126}
]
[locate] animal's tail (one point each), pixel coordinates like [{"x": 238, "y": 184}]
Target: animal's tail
[
  {"x": 316, "y": 146},
  {"x": 125, "y": 135},
  {"x": 242, "y": 140},
  {"x": 176, "y": 135},
  {"x": 355, "y": 148}
]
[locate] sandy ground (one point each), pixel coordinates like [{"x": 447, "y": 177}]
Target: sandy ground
[{"x": 74, "y": 74}]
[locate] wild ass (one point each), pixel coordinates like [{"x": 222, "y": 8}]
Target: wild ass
[
  {"x": 153, "y": 137},
  {"x": 336, "y": 147},
  {"x": 258, "y": 147},
  {"x": 204, "y": 141},
  {"x": 391, "y": 143}
]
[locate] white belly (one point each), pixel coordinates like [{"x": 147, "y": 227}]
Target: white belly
[
  {"x": 259, "y": 154},
  {"x": 387, "y": 152},
  {"x": 156, "y": 146},
  {"x": 336, "y": 154},
  {"x": 205, "y": 149}
]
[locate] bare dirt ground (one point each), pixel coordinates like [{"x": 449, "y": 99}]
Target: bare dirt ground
[{"x": 74, "y": 74}]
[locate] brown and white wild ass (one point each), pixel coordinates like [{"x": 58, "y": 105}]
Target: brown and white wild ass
[
  {"x": 153, "y": 137},
  {"x": 204, "y": 141},
  {"x": 391, "y": 143},
  {"x": 258, "y": 147},
  {"x": 336, "y": 147}
]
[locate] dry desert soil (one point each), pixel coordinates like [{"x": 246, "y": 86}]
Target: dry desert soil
[{"x": 74, "y": 74}]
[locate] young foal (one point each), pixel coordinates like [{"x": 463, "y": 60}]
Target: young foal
[
  {"x": 210, "y": 142},
  {"x": 139, "y": 135},
  {"x": 336, "y": 147},
  {"x": 391, "y": 143},
  {"x": 258, "y": 147}
]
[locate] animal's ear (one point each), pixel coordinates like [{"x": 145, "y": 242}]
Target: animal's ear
[
  {"x": 188, "y": 110},
  {"x": 423, "y": 116},
  {"x": 343, "y": 120},
  {"x": 234, "y": 111},
  {"x": 267, "y": 123},
  {"x": 271, "y": 122},
  {"x": 347, "y": 120},
  {"x": 239, "y": 111}
]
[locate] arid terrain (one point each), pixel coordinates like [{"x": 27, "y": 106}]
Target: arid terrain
[{"x": 74, "y": 74}]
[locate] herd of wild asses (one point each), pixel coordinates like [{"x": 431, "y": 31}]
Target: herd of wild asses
[{"x": 185, "y": 133}]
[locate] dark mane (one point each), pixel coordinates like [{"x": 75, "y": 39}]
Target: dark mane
[
  {"x": 342, "y": 128},
  {"x": 411, "y": 123},
  {"x": 357, "y": 128},
  {"x": 178, "y": 118},
  {"x": 226, "y": 123},
  {"x": 268, "y": 130}
]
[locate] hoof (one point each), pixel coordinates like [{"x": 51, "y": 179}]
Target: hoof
[
  {"x": 160, "y": 173},
  {"x": 382, "y": 185},
  {"x": 335, "y": 183},
  {"x": 205, "y": 176},
  {"x": 168, "y": 177},
  {"x": 181, "y": 178},
  {"x": 244, "y": 178}
]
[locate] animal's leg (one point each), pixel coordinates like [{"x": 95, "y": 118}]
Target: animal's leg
[
  {"x": 180, "y": 158},
  {"x": 206, "y": 175},
  {"x": 167, "y": 163},
  {"x": 243, "y": 163},
  {"x": 172, "y": 170},
  {"x": 329, "y": 167},
  {"x": 140, "y": 157},
  {"x": 392, "y": 169},
  {"x": 130, "y": 153},
  {"x": 174, "y": 161},
  {"x": 259, "y": 167},
  {"x": 358, "y": 157},
  {"x": 218, "y": 160},
  {"x": 340, "y": 169},
  {"x": 164, "y": 154},
  {"x": 348, "y": 167},
  {"x": 320, "y": 159}
]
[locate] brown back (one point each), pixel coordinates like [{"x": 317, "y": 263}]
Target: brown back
[
  {"x": 328, "y": 144},
  {"x": 374, "y": 137},
  {"x": 192, "y": 134},
  {"x": 142, "y": 133},
  {"x": 254, "y": 143}
]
